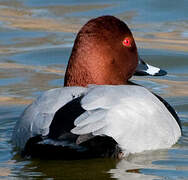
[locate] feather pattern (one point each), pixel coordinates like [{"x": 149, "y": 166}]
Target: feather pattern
[
  {"x": 131, "y": 115},
  {"x": 135, "y": 118},
  {"x": 38, "y": 116}
]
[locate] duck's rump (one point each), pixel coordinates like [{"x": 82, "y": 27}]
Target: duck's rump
[
  {"x": 98, "y": 146},
  {"x": 60, "y": 143}
]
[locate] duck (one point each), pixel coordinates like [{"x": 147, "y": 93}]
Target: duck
[{"x": 99, "y": 112}]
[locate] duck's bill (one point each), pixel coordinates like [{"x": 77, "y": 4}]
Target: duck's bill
[{"x": 144, "y": 69}]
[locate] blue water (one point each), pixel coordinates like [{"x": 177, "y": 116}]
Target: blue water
[{"x": 33, "y": 59}]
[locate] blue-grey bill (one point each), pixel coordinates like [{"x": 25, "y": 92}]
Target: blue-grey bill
[{"x": 144, "y": 69}]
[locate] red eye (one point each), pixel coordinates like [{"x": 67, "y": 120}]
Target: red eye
[{"x": 127, "y": 42}]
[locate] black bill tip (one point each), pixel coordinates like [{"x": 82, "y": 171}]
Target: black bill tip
[
  {"x": 144, "y": 69},
  {"x": 161, "y": 73}
]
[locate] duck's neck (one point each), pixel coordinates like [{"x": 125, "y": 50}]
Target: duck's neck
[
  {"x": 83, "y": 74},
  {"x": 80, "y": 76}
]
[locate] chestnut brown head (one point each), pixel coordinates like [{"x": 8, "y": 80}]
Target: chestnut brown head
[{"x": 104, "y": 52}]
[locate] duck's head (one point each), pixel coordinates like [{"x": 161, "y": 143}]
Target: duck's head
[{"x": 104, "y": 52}]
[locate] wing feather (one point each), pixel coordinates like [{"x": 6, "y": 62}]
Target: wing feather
[
  {"x": 38, "y": 116},
  {"x": 131, "y": 115},
  {"x": 90, "y": 117}
]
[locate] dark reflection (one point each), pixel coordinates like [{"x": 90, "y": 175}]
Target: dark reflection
[
  {"x": 133, "y": 170},
  {"x": 130, "y": 168},
  {"x": 91, "y": 169}
]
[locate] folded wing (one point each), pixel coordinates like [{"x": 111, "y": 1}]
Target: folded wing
[{"x": 131, "y": 115}]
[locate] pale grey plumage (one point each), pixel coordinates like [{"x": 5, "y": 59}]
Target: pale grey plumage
[{"x": 132, "y": 115}]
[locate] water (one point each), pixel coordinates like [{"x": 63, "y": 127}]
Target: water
[{"x": 35, "y": 42}]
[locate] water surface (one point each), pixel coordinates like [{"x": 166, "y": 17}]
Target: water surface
[{"x": 35, "y": 44}]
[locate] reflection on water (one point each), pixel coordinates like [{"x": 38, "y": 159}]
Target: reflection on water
[
  {"x": 35, "y": 44},
  {"x": 85, "y": 169}
]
